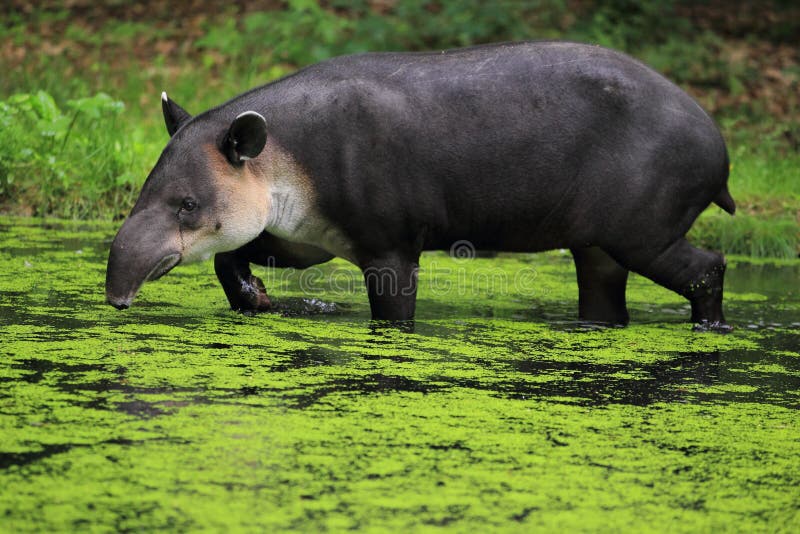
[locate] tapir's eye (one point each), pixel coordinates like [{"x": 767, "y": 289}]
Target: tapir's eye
[{"x": 188, "y": 204}]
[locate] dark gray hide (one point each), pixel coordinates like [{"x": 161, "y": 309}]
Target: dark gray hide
[{"x": 512, "y": 147}]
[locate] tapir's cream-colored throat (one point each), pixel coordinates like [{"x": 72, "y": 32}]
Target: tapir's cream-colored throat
[{"x": 293, "y": 213}]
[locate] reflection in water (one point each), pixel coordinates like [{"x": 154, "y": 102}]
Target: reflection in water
[{"x": 765, "y": 279}]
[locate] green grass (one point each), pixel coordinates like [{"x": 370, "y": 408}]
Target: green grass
[
  {"x": 72, "y": 161},
  {"x": 765, "y": 174},
  {"x": 773, "y": 237},
  {"x": 766, "y": 187}
]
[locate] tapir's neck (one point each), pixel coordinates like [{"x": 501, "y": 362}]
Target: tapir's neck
[
  {"x": 293, "y": 213},
  {"x": 290, "y": 193}
]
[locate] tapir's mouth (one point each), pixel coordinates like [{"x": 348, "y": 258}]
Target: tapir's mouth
[{"x": 164, "y": 266}]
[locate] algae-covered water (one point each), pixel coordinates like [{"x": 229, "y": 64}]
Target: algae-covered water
[{"x": 498, "y": 412}]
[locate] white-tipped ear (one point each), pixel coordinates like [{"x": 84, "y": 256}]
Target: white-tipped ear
[
  {"x": 254, "y": 113},
  {"x": 174, "y": 115},
  {"x": 246, "y": 137}
]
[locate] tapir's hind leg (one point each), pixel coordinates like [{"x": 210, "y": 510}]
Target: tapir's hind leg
[
  {"x": 601, "y": 287},
  {"x": 694, "y": 273}
]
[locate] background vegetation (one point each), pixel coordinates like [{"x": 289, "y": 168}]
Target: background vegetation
[{"x": 80, "y": 120}]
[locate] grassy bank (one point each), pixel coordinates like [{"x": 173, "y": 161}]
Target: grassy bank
[
  {"x": 766, "y": 187},
  {"x": 80, "y": 121}
]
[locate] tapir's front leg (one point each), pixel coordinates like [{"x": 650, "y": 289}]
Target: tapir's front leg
[
  {"x": 245, "y": 292},
  {"x": 392, "y": 287}
]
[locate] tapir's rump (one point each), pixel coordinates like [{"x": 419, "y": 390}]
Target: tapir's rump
[{"x": 514, "y": 147}]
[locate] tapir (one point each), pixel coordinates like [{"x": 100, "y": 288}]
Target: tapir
[{"x": 376, "y": 157}]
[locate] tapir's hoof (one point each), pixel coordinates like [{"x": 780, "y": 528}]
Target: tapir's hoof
[
  {"x": 262, "y": 302},
  {"x": 253, "y": 297},
  {"x": 717, "y": 327}
]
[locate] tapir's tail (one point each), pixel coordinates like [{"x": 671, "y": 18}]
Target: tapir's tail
[{"x": 725, "y": 201}]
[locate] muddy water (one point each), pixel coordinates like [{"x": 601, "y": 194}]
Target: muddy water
[{"x": 498, "y": 411}]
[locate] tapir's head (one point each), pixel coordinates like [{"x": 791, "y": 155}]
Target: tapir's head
[{"x": 206, "y": 194}]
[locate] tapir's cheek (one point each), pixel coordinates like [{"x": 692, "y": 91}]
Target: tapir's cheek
[
  {"x": 220, "y": 236},
  {"x": 237, "y": 214},
  {"x": 199, "y": 245}
]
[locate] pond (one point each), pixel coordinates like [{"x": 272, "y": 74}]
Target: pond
[{"x": 497, "y": 412}]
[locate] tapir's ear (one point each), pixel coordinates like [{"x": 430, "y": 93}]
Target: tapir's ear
[
  {"x": 245, "y": 138},
  {"x": 174, "y": 115}
]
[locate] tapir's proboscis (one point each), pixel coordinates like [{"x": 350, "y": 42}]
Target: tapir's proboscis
[{"x": 374, "y": 158}]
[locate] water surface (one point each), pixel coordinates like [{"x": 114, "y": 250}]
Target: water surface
[{"x": 499, "y": 411}]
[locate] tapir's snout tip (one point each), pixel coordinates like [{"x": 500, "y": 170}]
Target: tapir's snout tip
[{"x": 120, "y": 304}]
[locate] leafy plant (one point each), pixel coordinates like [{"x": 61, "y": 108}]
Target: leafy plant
[{"x": 62, "y": 162}]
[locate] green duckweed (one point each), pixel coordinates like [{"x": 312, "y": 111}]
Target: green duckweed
[{"x": 499, "y": 412}]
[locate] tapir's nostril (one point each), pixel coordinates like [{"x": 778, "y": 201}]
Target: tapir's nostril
[{"x": 120, "y": 304}]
